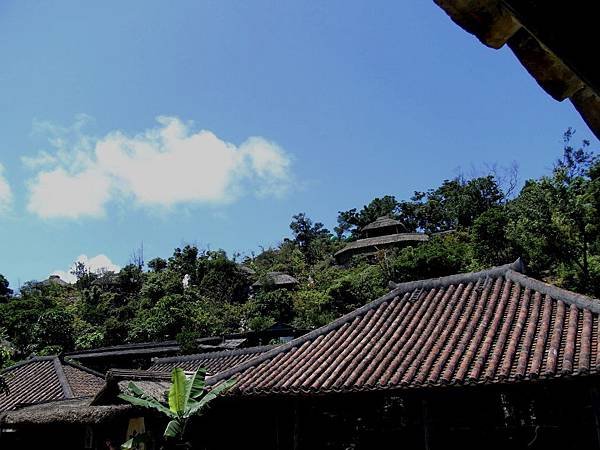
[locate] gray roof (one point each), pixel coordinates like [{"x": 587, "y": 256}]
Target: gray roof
[
  {"x": 383, "y": 240},
  {"x": 277, "y": 279},
  {"x": 383, "y": 222},
  {"x": 53, "y": 280},
  {"x": 76, "y": 411},
  {"x": 213, "y": 362}
]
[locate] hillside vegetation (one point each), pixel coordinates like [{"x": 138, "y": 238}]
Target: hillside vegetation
[{"x": 553, "y": 223}]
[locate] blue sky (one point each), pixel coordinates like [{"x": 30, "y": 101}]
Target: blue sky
[{"x": 213, "y": 122}]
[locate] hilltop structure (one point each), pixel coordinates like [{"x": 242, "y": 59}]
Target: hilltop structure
[
  {"x": 276, "y": 280},
  {"x": 383, "y": 233}
]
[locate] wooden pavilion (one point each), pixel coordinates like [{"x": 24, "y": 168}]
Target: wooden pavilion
[{"x": 379, "y": 235}]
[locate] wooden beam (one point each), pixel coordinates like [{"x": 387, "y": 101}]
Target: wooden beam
[{"x": 488, "y": 20}]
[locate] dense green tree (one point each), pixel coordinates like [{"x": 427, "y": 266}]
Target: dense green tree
[
  {"x": 490, "y": 243},
  {"x": 455, "y": 204},
  {"x": 313, "y": 239},
  {"x": 6, "y": 354},
  {"x": 184, "y": 262},
  {"x": 157, "y": 264},
  {"x": 53, "y": 332},
  {"x": 268, "y": 307},
  {"x": 553, "y": 223},
  {"x": 221, "y": 279},
  {"x": 353, "y": 221},
  {"x": 5, "y": 291}
]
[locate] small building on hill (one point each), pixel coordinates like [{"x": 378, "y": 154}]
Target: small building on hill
[
  {"x": 276, "y": 280},
  {"x": 383, "y": 233},
  {"x": 52, "y": 280}
]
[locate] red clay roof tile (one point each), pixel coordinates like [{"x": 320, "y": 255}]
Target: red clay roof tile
[
  {"x": 213, "y": 362},
  {"x": 487, "y": 327},
  {"x": 47, "y": 378}
]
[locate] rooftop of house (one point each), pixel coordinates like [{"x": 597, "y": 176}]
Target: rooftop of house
[
  {"x": 493, "y": 326},
  {"x": 53, "y": 280},
  {"x": 383, "y": 222},
  {"x": 156, "y": 381},
  {"x": 42, "y": 379},
  {"x": 207, "y": 344},
  {"x": 276, "y": 279},
  {"x": 390, "y": 239},
  {"x": 213, "y": 362}
]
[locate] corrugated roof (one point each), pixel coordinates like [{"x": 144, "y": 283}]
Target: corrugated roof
[
  {"x": 213, "y": 362},
  {"x": 43, "y": 379},
  {"x": 495, "y": 326}
]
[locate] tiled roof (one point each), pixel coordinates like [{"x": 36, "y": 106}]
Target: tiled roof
[
  {"x": 213, "y": 362},
  {"x": 47, "y": 378},
  {"x": 495, "y": 326}
]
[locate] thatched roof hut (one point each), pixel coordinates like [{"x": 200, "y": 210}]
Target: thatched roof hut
[
  {"x": 383, "y": 225},
  {"x": 384, "y": 232},
  {"x": 276, "y": 280},
  {"x": 77, "y": 411}
]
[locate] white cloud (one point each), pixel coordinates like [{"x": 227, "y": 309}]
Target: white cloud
[
  {"x": 164, "y": 166},
  {"x": 60, "y": 194},
  {"x": 5, "y": 193},
  {"x": 97, "y": 264}
]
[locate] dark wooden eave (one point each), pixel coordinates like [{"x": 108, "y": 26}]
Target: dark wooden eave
[{"x": 556, "y": 42}]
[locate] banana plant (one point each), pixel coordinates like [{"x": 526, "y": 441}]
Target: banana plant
[{"x": 186, "y": 398}]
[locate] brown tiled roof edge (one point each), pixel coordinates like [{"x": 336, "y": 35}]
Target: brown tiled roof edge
[
  {"x": 579, "y": 300},
  {"x": 210, "y": 355},
  {"x": 431, "y": 283}
]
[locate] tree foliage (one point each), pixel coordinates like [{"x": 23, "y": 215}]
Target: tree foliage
[
  {"x": 553, "y": 223},
  {"x": 187, "y": 397}
]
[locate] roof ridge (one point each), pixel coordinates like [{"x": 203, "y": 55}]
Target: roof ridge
[
  {"x": 516, "y": 266},
  {"x": 134, "y": 345},
  {"x": 557, "y": 293},
  {"x": 62, "y": 378},
  {"x": 217, "y": 354},
  {"x": 136, "y": 374},
  {"x": 399, "y": 289}
]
